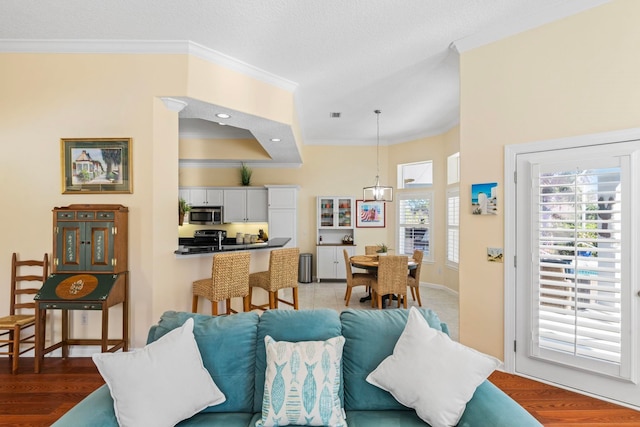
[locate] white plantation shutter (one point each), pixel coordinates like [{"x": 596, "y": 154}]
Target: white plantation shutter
[
  {"x": 578, "y": 217},
  {"x": 414, "y": 223},
  {"x": 453, "y": 227}
]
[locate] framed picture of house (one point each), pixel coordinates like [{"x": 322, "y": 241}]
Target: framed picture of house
[
  {"x": 370, "y": 214},
  {"x": 96, "y": 165}
]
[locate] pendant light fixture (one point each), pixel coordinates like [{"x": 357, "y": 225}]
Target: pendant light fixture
[{"x": 377, "y": 192}]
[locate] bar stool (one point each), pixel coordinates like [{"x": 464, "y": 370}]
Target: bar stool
[
  {"x": 229, "y": 279},
  {"x": 282, "y": 273}
]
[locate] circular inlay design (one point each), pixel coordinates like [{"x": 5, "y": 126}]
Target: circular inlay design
[{"x": 77, "y": 286}]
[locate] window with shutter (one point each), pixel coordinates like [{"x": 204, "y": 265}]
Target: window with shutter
[
  {"x": 414, "y": 223},
  {"x": 453, "y": 227},
  {"x": 579, "y": 267}
]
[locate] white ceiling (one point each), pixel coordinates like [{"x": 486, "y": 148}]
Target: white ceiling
[{"x": 351, "y": 57}]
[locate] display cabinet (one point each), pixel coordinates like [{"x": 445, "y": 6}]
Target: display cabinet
[
  {"x": 330, "y": 261},
  {"x": 90, "y": 238}
]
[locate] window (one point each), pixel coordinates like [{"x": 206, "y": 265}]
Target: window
[
  {"x": 453, "y": 227},
  {"x": 415, "y": 175},
  {"x": 414, "y": 223},
  {"x": 453, "y": 168}
]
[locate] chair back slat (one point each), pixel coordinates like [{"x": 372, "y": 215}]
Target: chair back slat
[
  {"x": 26, "y": 283},
  {"x": 392, "y": 274}
]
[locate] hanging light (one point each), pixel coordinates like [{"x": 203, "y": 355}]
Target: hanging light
[{"x": 377, "y": 192}]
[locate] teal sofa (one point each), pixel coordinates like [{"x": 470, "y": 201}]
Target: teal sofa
[{"x": 236, "y": 343}]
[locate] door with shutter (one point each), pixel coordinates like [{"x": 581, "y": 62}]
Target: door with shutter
[{"x": 576, "y": 276}]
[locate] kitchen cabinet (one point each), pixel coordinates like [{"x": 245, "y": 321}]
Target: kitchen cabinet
[
  {"x": 205, "y": 197},
  {"x": 336, "y": 212},
  {"x": 245, "y": 205},
  {"x": 283, "y": 217},
  {"x": 330, "y": 261},
  {"x": 90, "y": 238}
]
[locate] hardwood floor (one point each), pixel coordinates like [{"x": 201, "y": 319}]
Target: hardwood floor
[{"x": 28, "y": 399}]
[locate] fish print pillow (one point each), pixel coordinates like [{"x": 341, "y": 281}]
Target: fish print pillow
[{"x": 301, "y": 383}]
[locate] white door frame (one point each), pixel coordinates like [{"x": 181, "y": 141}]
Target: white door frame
[{"x": 510, "y": 156}]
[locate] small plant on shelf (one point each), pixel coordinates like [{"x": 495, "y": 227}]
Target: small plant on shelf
[{"x": 245, "y": 174}]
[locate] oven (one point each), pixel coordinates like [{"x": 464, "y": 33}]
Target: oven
[{"x": 205, "y": 215}]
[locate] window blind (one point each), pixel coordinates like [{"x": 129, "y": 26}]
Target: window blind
[{"x": 414, "y": 223}]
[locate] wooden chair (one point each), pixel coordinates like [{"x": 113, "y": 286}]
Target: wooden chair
[
  {"x": 282, "y": 273},
  {"x": 229, "y": 279},
  {"x": 22, "y": 308},
  {"x": 391, "y": 279},
  {"x": 355, "y": 279},
  {"x": 370, "y": 250},
  {"x": 413, "y": 279}
]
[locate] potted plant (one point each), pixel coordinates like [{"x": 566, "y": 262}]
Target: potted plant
[
  {"x": 245, "y": 174},
  {"x": 183, "y": 208},
  {"x": 382, "y": 249}
]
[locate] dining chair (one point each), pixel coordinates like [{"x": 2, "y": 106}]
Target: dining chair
[
  {"x": 229, "y": 279},
  {"x": 282, "y": 274},
  {"x": 391, "y": 279},
  {"x": 25, "y": 275},
  {"x": 355, "y": 279},
  {"x": 413, "y": 279}
]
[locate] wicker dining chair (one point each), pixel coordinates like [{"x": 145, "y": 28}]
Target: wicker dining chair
[
  {"x": 391, "y": 279},
  {"x": 355, "y": 279},
  {"x": 282, "y": 274},
  {"x": 413, "y": 279},
  {"x": 25, "y": 283},
  {"x": 370, "y": 250},
  {"x": 229, "y": 279}
]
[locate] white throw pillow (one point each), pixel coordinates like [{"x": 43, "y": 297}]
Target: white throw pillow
[
  {"x": 161, "y": 384},
  {"x": 301, "y": 383},
  {"x": 431, "y": 373}
]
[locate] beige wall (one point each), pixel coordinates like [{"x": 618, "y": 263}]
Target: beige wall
[{"x": 571, "y": 77}]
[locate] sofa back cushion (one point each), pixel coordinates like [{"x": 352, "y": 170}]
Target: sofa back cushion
[
  {"x": 227, "y": 345},
  {"x": 292, "y": 326},
  {"x": 370, "y": 336}
]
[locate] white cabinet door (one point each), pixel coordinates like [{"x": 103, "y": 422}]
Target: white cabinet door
[
  {"x": 282, "y": 223},
  {"x": 257, "y": 205},
  {"x": 235, "y": 205},
  {"x": 330, "y": 262},
  {"x": 283, "y": 198},
  {"x": 205, "y": 197},
  {"x": 185, "y": 194},
  {"x": 325, "y": 262},
  {"x": 245, "y": 205}
]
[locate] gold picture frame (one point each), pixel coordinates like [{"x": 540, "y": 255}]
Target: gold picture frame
[{"x": 96, "y": 165}]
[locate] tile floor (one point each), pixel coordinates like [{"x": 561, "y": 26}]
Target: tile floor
[{"x": 330, "y": 294}]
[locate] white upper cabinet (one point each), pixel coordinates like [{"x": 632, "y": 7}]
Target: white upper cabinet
[{"x": 245, "y": 205}]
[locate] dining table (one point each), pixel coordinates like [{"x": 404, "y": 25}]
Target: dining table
[{"x": 370, "y": 263}]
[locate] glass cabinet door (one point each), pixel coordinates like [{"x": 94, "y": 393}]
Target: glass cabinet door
[
  {"x": 344, "y": 213},
  {"x": 327, "y": 212}
]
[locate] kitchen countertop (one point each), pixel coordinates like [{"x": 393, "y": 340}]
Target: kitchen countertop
[{"x": 276, "y": 242}]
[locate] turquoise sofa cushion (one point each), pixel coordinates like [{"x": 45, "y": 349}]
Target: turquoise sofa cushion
[
  {"x": 293, "y": 326},
  {"x": 370, "y": 336},
  {"x": 227, "y": 345}
]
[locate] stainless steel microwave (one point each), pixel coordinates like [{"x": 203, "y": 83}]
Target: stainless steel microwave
[{"x": 205, "y": 215}]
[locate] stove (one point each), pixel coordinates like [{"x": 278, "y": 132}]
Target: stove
[{"x": 203, "y": 241}]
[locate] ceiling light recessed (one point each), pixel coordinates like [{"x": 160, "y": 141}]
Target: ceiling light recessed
[
  {"x": 223, "y": 116},
  {"x": 335, "y": 115},
  {"x": 275, "y": 139},
  {"x": 221, "y": 124}
]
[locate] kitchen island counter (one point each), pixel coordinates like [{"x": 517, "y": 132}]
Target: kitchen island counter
[{"x": 274, "y": 243}]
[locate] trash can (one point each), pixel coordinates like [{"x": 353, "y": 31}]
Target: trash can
[{"x": 304, "y": 268}]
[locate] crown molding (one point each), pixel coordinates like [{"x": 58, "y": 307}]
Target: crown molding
[
  {"x": 158, "y": 47},
  {"x": 508, "y": 29},
  {"x": 217, "y": 164}
]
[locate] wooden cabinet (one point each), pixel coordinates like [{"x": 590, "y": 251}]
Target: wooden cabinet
[
  {"x": 90, "y": 238},
  {"x": 330, "y": 261},
  {"x": 245, "y": 205},
  {"x": 203, "y": 196},
  {"x": 283, "y": 217}
]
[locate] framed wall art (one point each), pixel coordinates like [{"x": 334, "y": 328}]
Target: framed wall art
[
  {"x": 370, "y": 214},
  {"x": 96, "y": 165},
  {"x": 484, "y": 200}
]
